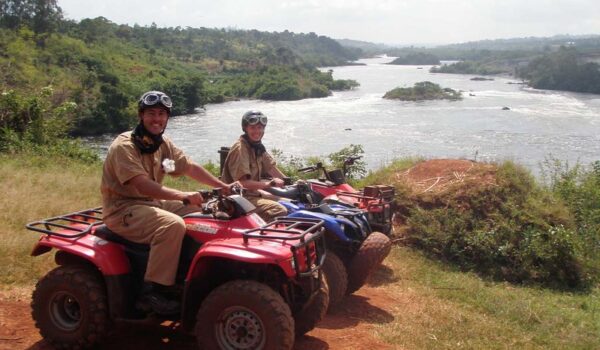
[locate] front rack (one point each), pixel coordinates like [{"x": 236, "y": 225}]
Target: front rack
[
  {"x": 295, "y": 229},
  {"x": 78, "y": 223}
]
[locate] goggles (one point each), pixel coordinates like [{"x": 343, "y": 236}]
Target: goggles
[
  {"x": 254, "y": 119},
  {"x": 152, "y": 98}
]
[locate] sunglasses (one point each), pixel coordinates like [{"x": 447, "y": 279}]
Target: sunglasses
[
  {"x": 153, "y": 98},
  {"x": 257, "y": 118}
]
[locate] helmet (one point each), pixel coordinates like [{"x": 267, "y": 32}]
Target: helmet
[
  {"x": 154, "y": 98},
  {"x": 253, "y": 118}
]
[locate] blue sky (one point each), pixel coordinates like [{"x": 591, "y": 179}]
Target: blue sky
[{"x": 384, "y": 21}]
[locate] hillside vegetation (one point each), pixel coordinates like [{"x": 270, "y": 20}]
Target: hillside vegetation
[
  {"x": 103, "y": 67},
  {"x": 568, "y": 63},
  {"x": 416, "y": 58}
]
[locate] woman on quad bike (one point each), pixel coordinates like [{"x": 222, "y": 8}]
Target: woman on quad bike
[
  {"x": 139, "y": 208},
  {"x": 248, "y": 160}
]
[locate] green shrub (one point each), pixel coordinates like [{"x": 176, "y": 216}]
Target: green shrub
[
  {"x": 32, "y": 124},
  {"x": 513, "y": 229},
  {"x": 424, "y": 90}
]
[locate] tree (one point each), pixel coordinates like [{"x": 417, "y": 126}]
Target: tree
[{"x": 42, "y": 16}]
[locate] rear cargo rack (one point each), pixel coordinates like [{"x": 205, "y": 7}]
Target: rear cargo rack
[
  {"x": 71, "y": 225},
  {"x": 295, "y": 229}
]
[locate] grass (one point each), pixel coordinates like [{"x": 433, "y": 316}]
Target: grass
[
  {"x": 438, "y": 307},
  {"x": 35, "y": 188}
]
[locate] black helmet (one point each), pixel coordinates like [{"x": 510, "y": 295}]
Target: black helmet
[
  {"x": 153, "y": 98},
  {"x": 253, "y": 118}
]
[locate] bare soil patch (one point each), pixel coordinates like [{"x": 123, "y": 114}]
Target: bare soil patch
[{"x": 348, "y": 326}]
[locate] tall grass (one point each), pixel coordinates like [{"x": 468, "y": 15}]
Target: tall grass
[
  {"x": 436, "y": 306},
  {"x": 34, "y": 188}
]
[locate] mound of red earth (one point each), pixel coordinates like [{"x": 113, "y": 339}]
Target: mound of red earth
[
  {"x": 438, "y": 175},
  {"x": 433, "y": 183}
]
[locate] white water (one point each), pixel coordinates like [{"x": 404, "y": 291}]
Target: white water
[{"x": 539, "y": 123}]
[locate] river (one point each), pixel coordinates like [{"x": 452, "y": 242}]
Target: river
[{"x": 538, "y": 124}]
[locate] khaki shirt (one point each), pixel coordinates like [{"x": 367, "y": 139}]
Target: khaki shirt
[
  {"x": 243, "y": 163},
  {"x": 125, "y": 161}
]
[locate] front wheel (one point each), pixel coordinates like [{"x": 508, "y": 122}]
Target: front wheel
[
  {"x": 244, "y": 315},
  {"x": 69, "y": 307},
  {"x": 370, "y": 254},
  {"x": 336, "y": 276}
]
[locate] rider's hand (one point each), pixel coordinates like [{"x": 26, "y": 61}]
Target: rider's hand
[
  {"x": 192, "y": 198},
  {"x": 277, "y": 182},
  {"x": 231, "y": 188}
]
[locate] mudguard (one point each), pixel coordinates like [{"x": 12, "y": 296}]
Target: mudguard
[
  {"x": 331, "y": 224},
  {"x": 256, "y": 252},
  {"x": 109, "y": 257}
]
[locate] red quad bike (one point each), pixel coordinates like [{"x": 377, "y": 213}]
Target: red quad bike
[
  {"x": 239, "y": 288},
  {"x": 377, "y": 201}
]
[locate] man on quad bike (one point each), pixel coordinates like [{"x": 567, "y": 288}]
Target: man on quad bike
[
  {"x": 248, "y": 160},
  {"x": 139, "y": 208}
]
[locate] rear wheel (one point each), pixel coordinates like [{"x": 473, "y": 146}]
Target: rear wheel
[
  {"x": 244, "y": 315},
  {"x": 312, "y": 313},
  {"x": 336, "y": 276},
  {"x": 370, "y": 254},
  {"x": 69, "y": 307}
]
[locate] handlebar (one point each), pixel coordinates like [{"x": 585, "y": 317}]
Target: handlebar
[
  {"x": 311, "y": 168},
  {"x": 351, "y": 160},
  {"x": 216, "y": 192}
]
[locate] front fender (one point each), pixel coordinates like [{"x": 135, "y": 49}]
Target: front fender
[
  {"x": 256, "y": 251},
  {"x": 108, "y": 257},
  {"x": 332, "y": 225}
]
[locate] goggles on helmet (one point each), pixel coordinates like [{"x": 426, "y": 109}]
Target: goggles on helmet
[
  {"x": 154, "y": 97},
  {"x": 254, "y": 119}
]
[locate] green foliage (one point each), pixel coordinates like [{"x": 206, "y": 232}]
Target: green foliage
[
  {"x": 104, "y": 67},
  {"x": 416, "y": 58},
  {"x": 562, "y": 70},
  {"x": 34, "y": 124},
  {"x": 468, "y": 67},
  {"x": 289, "y": 165},
  {"x": 424, "y": 90},
  {"x": 353, "y": 171},
  {"x": 513, "y": 230},
  {"x": 579, "y": 188},
  {"x": 41, "y": 15},
  {"x": 277, "y": 83}
]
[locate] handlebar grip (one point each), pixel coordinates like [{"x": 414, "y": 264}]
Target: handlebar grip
[{"x": 307, "y": 169}]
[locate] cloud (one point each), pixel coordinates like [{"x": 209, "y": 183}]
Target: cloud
[{"x": 409, "y": 21}]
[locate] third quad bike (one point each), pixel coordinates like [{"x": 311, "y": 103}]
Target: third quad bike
[
  {"x": 239, "y": 288},
  {"x": 354, "y": 250},
  {"x": 377, "y": 200}
]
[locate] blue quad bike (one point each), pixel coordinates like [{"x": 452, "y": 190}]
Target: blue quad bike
[{"x": 354, "y": 249}]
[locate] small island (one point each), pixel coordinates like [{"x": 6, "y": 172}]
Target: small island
[
  {"x": 421, "y": 91},
  {"x": 482, "y": 79},
  {"x": 417, "y": 58}
]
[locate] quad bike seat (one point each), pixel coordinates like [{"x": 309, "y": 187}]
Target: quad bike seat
[{"x": 104, "y": 232}]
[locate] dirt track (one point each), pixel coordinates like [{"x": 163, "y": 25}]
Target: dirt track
[{"x": 348, "y": 326}]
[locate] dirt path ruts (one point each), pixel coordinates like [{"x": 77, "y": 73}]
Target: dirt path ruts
[{"x": 348, "y": 326}]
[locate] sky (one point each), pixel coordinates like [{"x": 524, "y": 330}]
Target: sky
[{"x": 405, "y": 22}]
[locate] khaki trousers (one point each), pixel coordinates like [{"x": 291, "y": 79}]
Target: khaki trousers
[
  {"x": 160, "y": 225},
  {"x": 267, "y": 209}
]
